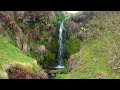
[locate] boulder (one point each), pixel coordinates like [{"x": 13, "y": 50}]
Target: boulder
[
  {"x": 50, "y": 40},
  {"x": 42, "y": 50},
  {"x": 25, "y": 48}
]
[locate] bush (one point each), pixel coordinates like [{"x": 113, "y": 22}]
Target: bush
[
  {"x": 73, "y": 45},
  {"x": 49, "y": 60},
  {"x": 56, "y": 20}
]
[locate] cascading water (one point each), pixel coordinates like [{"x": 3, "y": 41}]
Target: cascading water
[{"x": 61, "y": 48}]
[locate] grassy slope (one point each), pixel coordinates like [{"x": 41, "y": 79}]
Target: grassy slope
[
  {"x": 95, "y": 55},
  {"x": 10, "y": 55}
]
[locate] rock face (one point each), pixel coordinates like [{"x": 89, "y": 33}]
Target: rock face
[{"x": 42, "y": 50}]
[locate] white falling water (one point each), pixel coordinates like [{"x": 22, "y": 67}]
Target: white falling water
[{"x": 60, "y": 55}]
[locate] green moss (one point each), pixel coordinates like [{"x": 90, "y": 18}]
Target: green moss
[{"x": 56, "y": 20}]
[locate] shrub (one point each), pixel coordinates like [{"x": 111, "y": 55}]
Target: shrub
[
  {"x": 49, "y": 60},
  {"x": 73, "y": 45},
  {"x": 56, "y": 20}
]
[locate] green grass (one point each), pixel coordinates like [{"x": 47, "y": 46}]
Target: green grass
[
  {"x": 10, "y": 55},
  {"x": 95, "y": 54},
  {"x": 95, "y": 63}
]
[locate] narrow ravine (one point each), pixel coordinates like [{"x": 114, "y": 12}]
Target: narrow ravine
[{"x": 60, "y": 60}]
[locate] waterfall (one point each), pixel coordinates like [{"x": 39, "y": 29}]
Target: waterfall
[{"x": 61, "y": 47}]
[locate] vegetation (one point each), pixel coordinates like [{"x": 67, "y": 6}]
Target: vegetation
[
  {"x": 99, "y": 57},
  {"x": 92, "y": 45},
  {"x": 12, "y": 56}
]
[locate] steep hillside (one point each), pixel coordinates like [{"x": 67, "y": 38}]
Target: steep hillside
[
  {"x": 99, "y": 56},
  {"x": 35, "y": 35},
  {"x": 11, "y": 57},
  {"x": 30, "y": 44},
  {"x": 36, "y": 31}
]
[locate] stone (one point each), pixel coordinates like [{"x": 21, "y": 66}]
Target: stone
[
  {"x": 42, "y": 49},
  {"x": 50, "y": 40},
  {"x": 25, "y": 48}
]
